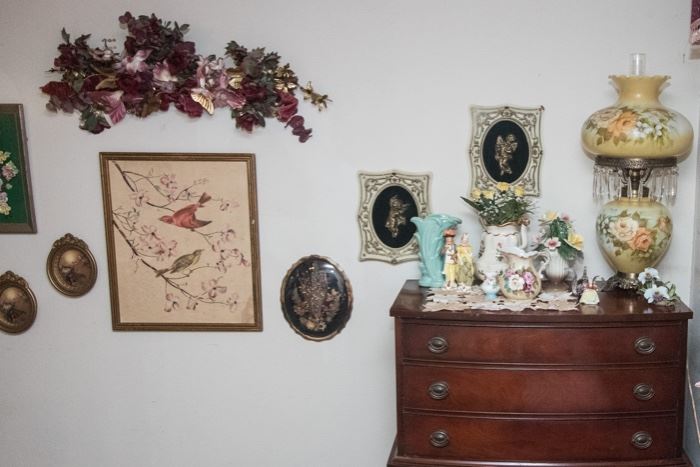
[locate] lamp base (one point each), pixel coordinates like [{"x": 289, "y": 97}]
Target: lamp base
[{"x": 622, "y": 280}]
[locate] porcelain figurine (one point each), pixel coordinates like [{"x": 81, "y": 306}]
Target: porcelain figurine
[
  {"x": 430, "y": 238},
  {"x": 590, "y": 294},
  {"x": 490, "y": 285},
  {"x": 449, "y": 253},
  {"x": 465, "y": 262}
]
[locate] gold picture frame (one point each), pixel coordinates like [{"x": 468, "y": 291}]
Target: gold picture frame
[
  {"x": 506, "y": 146},
  {"x": 17, "y": 304},
  {"x": 71, "y": 268},
  {"x": 182, "y": 241},
  {"x": 388, "y": 200}
]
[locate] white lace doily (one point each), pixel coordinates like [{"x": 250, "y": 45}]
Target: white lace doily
[{"x": 473, "y": 298}]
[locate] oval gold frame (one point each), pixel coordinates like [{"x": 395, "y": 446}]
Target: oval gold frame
[
  {"x": 72, "y": 280},
  {"x": 10, "y": 280},
  {"x": 341, "y": 322}
]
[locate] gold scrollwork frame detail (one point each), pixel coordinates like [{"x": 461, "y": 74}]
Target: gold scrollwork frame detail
[
  {"x": 371, "y": 185},
  {"x": 528, "y": 119},
  {"x": 11, "y": 286},
  {"x": 71, "y": 267}
]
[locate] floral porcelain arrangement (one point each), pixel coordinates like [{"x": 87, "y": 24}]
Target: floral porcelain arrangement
[
  {"x": 503, "y": 213},
  {"x": 654, "y": 289},
  {"x": 158, "y": 68},
  {"x": 520, "y": 280},
  {"x": 564, "y": 245}
]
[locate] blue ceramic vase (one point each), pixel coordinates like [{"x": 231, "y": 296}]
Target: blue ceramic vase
[{"x": 430, "y": 242}]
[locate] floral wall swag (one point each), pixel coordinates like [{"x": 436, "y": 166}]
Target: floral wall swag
[{"x": 157, "y": 68}]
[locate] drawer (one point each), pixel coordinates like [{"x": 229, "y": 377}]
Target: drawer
[
  {"x": 532, "y": 439},
  {"x": 547, "y": 390},
  {"x": 541, "y": 345}
]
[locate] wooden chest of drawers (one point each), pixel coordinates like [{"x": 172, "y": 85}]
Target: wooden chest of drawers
[{"x": 602, "y": 386}]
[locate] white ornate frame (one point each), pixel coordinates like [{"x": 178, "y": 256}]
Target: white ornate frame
[
  {"x": 371, "y": 185},
  {"x": 528, "y": 119}
]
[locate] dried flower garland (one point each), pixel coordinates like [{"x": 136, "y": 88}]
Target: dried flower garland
[{"x": 158, "y": 68}]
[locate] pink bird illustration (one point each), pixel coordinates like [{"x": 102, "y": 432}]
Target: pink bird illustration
[{"x": 185, "y": 217}]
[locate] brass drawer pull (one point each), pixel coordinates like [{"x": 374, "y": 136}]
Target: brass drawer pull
[
  {"x": 643, "y": 391},
  {"x": 439, "y": 439},
  {"x": 641, "y": 440},
  {"x": 644, "y": 345},
  {"x": 438, "y": 345},
  {"x": 438, "y": 390}
]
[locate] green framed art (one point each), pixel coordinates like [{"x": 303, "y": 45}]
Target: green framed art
[{"x": 16, "y": 206}]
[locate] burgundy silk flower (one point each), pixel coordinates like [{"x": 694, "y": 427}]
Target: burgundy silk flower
[
  {"x": 288, "y": 106},
  {"x": 157, "y": 68}
]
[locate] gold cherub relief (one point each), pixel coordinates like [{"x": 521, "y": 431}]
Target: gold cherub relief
[
  {"x": 505, "y": 148},
  {"x": 396, "y": 217}
]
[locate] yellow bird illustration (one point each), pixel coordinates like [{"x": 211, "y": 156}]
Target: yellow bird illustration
[{"x": 182, "y": 263}]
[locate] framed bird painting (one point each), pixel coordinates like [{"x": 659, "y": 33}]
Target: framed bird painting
[{"x": 182, "y": 241}]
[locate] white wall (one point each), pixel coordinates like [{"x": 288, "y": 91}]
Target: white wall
[{"x": 402, "y": 75}]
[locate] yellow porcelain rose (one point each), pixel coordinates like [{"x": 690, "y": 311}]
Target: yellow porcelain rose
[{"x": 575, "y": 240}]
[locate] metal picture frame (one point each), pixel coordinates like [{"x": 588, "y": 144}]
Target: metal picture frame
[
  {"x": 388, "y": 200},
  {"x": 316, "y": 298},
  {"x": 17, "y": 304},
  {"x": 71, "y": 268},
  {"x": 506, "y": 146},
  {"x": 16, "y": 201},
  {"x": 182, "y": 241}
]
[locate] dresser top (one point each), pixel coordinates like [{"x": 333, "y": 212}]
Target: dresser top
[{"x": 614, "y": 306}]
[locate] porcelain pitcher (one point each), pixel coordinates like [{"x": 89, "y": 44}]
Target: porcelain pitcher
[
  {"x": 493, "y": 238},
  {"x": 520, "y": 279}
]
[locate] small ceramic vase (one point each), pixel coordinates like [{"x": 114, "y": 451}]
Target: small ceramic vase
[
  {"x": 490, "y": 286},
  {"x": 557, "y": 270}
]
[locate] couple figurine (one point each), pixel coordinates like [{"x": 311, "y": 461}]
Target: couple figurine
[{"x": 459, "y": 265}]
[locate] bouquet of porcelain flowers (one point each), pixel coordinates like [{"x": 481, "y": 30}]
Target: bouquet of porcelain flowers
[
  {"x": 505, "y": 204},
  {"x": 557, "y": 234},
  {"x": 654, "y": 289}
]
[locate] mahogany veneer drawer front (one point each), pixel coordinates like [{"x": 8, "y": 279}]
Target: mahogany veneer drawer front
[
  {"x": 498, "y": 390},
  {"x": 539, "y": 440},
  {"x": 538, "y": 344},
  {"x": 599, "y": 387}
]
